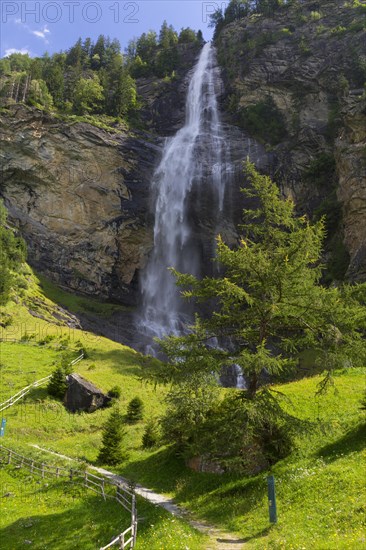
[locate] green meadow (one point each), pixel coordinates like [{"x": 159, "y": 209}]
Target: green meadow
[{"x": 320, "y": 487}]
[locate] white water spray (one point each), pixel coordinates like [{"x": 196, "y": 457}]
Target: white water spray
[{"x": 194, "y": 160}]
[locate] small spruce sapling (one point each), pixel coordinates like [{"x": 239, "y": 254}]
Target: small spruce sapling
[
  {"x": 135, "y": 410},
  {"x": 151, "y": 435},
  {"x": 111, "y": 451}
]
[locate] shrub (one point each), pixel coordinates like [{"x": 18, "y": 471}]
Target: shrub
[
  {"x": 264, "y": 121},
  {"x": 46, "y": 340},
  {"x": 151, "y": 435},
  {"x": 135, "y": 410},
  {"x": 322, "y": 170},
  {"x": 83, "y": 350},
  {"x": 338, "y": 30},
  {"x": 315, "y": 15},
  {"x": 26, "y": 337},
  {"x": 115, "y": 392},
  {"x": 111, "y": 451}
]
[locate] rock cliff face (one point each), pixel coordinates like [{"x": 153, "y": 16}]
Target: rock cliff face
[
  {"x": 79, "y": 196},
  {"x": 351, "y": 162},
  {"x": 304, "y": 70}
]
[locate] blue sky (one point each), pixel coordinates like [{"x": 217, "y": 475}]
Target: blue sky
[{"x": 52, "y": 25}]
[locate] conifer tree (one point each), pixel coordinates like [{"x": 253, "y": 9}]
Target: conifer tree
[
  {"x": 57, "y": 385},
  {"x": 12, "y": 255},
  {"x": 268, "y": 306},
  {"x": 150, "y": 436},
  {"x": 111, "y": 451},
  {"x": 135, "y": 410},
  {"x": 270, "y": 303}
]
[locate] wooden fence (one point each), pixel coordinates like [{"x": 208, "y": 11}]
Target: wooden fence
[
  {"x": 23, "y": 392},
  {"x": 102, "y": 486}
]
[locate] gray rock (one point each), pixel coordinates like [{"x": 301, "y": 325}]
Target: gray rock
[{"x": 83, "y": 396}]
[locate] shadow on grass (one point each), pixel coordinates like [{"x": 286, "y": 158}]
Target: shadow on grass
[
  {"x": 262, "y": 533},
  {"x": 352, "y": 441},
  {"x": 166, "y": 473},
  {"x": 66, "y": 515},
  {"x": 84, "y": 525},
  {"x": 123, "y": 361}
]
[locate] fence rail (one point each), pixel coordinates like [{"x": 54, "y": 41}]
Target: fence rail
[
  {"x": 102, "y": 486},
  {"x": 23, "y": 392}
]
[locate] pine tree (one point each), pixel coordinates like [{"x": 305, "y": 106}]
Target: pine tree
[
  {"x": 111, "y": 451},
  {"x": 269, "y": 306},
  {"x": 135, "y": 410},
  {"x": 151, "y": 436},
  {"x": 57, "y": 385}
]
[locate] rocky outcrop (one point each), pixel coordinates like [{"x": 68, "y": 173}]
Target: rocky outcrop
[
  {"x": 79, "y": 196},
  {"x": 163, "y": 100},
  {"x": 351, "y": 163},
  {"x": 83, "y": 396},
  {"x": 309, "y": 60}
]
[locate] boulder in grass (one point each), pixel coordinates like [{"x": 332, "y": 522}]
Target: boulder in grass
[{"x": 82, "y": 396}]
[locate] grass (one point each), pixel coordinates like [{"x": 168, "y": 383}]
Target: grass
[
  {"x": 76, "y": 303},
  {"x": 320, "y": 487},
  {"x": 59, "y": 514}
]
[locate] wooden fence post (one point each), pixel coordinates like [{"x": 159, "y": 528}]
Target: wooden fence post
[
  {"x": 42, "y": 470},
  {"x": 134, "y": 520},
  {"x": 9, "y": 457},
  {"x": 57, "y": 471},
  {"x": 32, "y": 466}
]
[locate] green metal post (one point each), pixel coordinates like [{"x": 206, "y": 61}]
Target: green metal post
[{"x": 272, "y": 499}]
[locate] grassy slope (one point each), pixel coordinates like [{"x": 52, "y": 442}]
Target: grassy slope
[
  {"x": 320, "y": 489},
  {"x": 44, "y": 421},
  {"x": 59, "y": 515}
]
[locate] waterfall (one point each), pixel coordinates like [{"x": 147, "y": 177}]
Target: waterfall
[{"x": 194, "y": 163}]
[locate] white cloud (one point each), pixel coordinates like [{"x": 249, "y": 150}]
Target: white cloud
[
  {"x": 9, "y": 51},
  {"x": 42, "y": 34}
]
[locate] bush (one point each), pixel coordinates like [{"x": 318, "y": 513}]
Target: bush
[
  {"x": 135, "y": 410},
  {"x": 46, "y": 340},
  {"x": 263, "y": 121},
  {"x": 315, "y": 15},
  {"x": 151, "y": 435},
  {"x": 111, "y": 451},
  {"x": 115, "y": 392},
  {"x": 26, "y": 337},
  {"x": 322, "y": 170}
]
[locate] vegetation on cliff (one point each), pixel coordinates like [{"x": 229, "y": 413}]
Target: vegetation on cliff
[
  {"x": 12, "y": 258},
  {"x": 94, "y": 78}
]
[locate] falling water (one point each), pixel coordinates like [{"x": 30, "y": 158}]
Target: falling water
[{"x": 195, "y": 161}]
